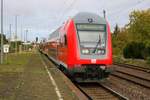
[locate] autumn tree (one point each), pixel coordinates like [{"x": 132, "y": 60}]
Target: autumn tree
[
  {"x": 139, "y": 26},
  {"x": 135, "y": 33}
]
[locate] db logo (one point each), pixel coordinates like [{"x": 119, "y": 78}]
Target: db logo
[
  {"x": 93, "y": 61},
  {"x": 90, "y": 20}
]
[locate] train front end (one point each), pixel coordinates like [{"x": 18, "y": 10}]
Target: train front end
[{"x": 90, "y": 50}]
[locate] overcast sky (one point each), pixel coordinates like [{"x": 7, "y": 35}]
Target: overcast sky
[{"x": 41, "y": 17}]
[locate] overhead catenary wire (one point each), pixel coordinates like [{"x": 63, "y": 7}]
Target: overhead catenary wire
[
  {"x": 67, "y": 9},
  {"x": 122, "y": 10}
]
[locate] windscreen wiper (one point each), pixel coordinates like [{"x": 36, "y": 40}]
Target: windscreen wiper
[{"x": 99, "y": 42}]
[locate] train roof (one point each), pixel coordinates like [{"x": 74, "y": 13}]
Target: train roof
[{"x": 85, "y": 17}]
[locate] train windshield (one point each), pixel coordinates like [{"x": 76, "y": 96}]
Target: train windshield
[{"x": 91, "y": 35}]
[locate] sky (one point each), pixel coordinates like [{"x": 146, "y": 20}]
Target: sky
[{"x": 41, "y": 17}]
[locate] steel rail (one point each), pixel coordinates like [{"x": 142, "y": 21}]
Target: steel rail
[
  {"x": 121, "y": 97},
  {"x": 131, "y": 80},
  {"x": 133, "y": 67},
  {"x": 105, "y": 88}
]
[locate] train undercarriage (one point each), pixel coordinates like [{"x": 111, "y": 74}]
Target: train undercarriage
[{"x": 88, "y": 73}]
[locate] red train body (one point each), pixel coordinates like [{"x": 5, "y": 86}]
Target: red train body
[{"x": 82, "y": 47}]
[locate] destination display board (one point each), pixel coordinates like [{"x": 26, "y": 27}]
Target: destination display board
[{"x": 90, "y": 27}]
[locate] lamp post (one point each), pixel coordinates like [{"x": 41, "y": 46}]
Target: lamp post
[
  {"x": 1, "y": 31},
  {"x": 9, "y": 41},
  {"x": 16, "y": 19},
  {"x": 26, "y": 39}
]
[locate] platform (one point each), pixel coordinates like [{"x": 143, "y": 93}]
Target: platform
[{"x": 34, "y": 81}]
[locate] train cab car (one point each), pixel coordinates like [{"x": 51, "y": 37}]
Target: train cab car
[{"x": 82, "y": 47}]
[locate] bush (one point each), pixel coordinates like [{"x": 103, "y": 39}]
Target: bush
[
  {"x": 146, "y": 52},
  {"x": 148, "y": 60},
  {"x": 134, "y": 50}
]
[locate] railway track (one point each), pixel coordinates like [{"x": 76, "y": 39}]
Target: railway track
[
  {"x": 133, "y": 67},
  {"x": 134, "y": 74},
  {"x": 97, "y": 91},
  {"x": 134, "y": 79}
]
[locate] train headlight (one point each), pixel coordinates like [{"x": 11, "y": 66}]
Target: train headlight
[
  {"x": 100, "y": 51},
  {"x": 103, "y": 52},
  {"x": 85, "y": 51}
]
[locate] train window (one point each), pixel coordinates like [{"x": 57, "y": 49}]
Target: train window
[
  {"x": 65, "y": 39},
  {"x": 55, "y": 34},
  {"x": 91, "y": 35}
]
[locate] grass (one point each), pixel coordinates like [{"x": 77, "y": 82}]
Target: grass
[{"x": 15, "y": 62}]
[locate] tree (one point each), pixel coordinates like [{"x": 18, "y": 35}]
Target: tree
[
  {"x": 139, "y": 26},
  {"x": 116, "y": 30},
  {"x": 135, "y": 35},
  {"x": 4, "y": 39}
]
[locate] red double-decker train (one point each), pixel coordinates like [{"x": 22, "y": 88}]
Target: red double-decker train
[{"x": 82, "y": 47}]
